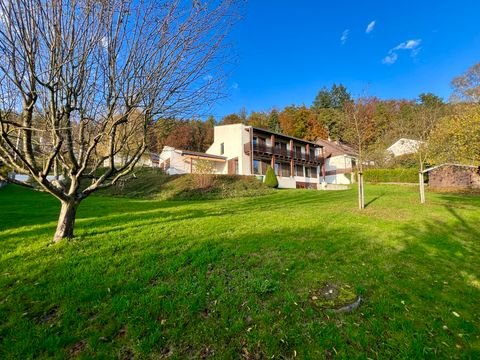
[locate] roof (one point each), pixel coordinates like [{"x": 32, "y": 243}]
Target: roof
[
  {"x": 286, "y": 136},
  {"x": 335, "y": 148},
  {"x": 449, "y": 164},
  {"x": 404, "y": 141},
  {"x": 200, "y": 154}
]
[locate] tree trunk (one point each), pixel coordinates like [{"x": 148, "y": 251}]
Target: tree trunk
[
  {"x": 421, "y": 182},
  {"x": 66, "y": 221}
]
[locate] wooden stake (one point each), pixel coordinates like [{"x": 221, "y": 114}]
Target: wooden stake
[{"x": 421, "y": 181}]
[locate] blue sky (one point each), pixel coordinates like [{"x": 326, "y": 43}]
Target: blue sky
[{"x": 288, "y": 50}]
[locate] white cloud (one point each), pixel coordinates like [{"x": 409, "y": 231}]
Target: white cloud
[
  {"x": 390, "y": 59},
  {"x": 370, "y": 27},
  {"x": 410, "y": 45},
  {"x": 344, "y": 36},
  {"x": 208, "y": 78}
]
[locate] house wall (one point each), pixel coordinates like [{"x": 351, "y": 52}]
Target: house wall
[
  {"x": 341, "y": 164},
  {"x": 454, "y": 177},
  {"x": 179, "y": 164},
  {"x": 233, "y": 137}
]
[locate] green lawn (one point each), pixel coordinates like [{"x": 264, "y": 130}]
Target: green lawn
[{"x": 234, "y": 278}]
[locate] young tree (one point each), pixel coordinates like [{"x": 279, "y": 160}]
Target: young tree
[
  {"x": 82, "y": 82},
  {"x": 360, "y": 130},
  {"x": 428, "y": 111}
]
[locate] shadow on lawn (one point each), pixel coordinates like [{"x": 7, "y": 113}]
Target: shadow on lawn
[{"x": 451, "y": 244}]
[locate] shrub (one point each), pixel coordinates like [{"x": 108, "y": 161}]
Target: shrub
[
  {"x": 204, "y": 174},
  {"x": 270, "y": 178}
]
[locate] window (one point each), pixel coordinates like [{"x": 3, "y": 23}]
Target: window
[
  {"x": 285, "y": 171},
  {"x": 314, "y": 173},
  {"x": 265, "y": 165},
  {"x": 299, "y": 170},
  {"x": 255, "y": 141},
  {"x": 256, "y": 167},
  {"x": 222, "y": 148},
  {"x": 277, "y": 168},
  {"x": 308, "y": 172}
]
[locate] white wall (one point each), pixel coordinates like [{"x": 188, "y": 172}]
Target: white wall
[{"x": 233, "y": 137}]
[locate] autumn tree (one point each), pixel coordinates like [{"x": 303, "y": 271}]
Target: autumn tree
[
  {"x": 360, "y": 131},
  {"x": 97, "y": 75},
  {"x": 466, "y": 87},
  {"x": 456, "y": 137},
  {"x": 231, "y": 119},
  {"x": 258, "y": 119}
]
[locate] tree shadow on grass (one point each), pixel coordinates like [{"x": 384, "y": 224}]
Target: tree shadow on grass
[{"x": 374, "y": 199}]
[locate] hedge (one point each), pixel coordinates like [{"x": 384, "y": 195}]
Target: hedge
[{"x": 391, "y": 175}]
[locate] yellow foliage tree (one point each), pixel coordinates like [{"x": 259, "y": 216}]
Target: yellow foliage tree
[{"x": 457, "y": 137}]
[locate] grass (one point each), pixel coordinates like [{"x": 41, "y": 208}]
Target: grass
[
  {"x": 154, "y": 184},
  {"x": 234, "y": 278}
]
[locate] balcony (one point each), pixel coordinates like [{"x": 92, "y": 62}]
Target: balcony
[{"x": 264, "y": 150}]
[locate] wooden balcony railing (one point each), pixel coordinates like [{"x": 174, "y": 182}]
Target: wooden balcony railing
[{"x": 262, "y": 149}]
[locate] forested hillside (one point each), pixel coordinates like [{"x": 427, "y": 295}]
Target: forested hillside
[{"x": 450, "y": 127}]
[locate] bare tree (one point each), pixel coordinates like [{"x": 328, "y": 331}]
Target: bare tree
[
  {"x": 81, "y": 82},
  {"x": 360, "y": 130}
]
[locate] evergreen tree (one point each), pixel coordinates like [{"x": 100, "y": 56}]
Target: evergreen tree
[
  {"x": 270, "y": 178},
  {"x": 273, "y": 122}
]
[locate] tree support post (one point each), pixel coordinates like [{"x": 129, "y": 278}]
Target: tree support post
[
  {"x": 421, "y": 181},
  {"x": 361, "y": 194}
]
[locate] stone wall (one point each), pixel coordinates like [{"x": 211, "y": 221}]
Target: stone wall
[{"x": 454, "y": 177}]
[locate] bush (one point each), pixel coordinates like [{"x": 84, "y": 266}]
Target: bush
[
  {"x": 399, "y": 175},
  {"x": 270, "y": 178}
]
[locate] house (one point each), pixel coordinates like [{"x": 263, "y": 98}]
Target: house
[
  {"x": 246, "y": 150},
  {"x": 175, "y": 161},
  {"x": 340, "y": 162},
  {"x": 404, "y": 147},
  {"x": 453, "y": 177}
]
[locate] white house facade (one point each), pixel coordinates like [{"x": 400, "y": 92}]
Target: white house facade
[{"x": 246, "y": 150}]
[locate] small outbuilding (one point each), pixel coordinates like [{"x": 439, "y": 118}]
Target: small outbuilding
[{"x": 453, "y": 177}]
